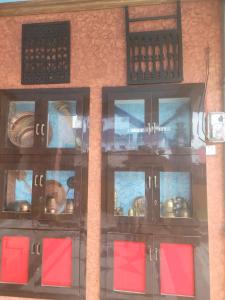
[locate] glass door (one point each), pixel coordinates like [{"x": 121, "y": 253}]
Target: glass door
[
  {"x": 179, "y": 196},
  {"x": 178, "y": 268},
  {"x": 160, "y": 120},
  {"x": 60, "y": 193},
  {"x": 129, "y": 273},
  {"x": 178, "y": 120},
  {"x": 126, "y": 122},
  {"x": 18, "y": 191},
  {"x": 40, "y": 121},
  {"x": 58, "y": 263},
  {"x": 128, "y": 195},
  {"x": 20, "y": 120},
  {"x": 63, "y": 126},
  {"x": 16, "y": 260}
]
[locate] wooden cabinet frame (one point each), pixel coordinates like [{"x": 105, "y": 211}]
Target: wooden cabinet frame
[
  {"x": 151, "y": 96},
  {"x": 152, "y": 243},
  {"x": 152, "y": 167},
  {"x": 154, "y": 229},
  {"x": 37, "y": 215},
  {"x": 41, "y": 97},
  {"x": 37, "y": 224},
  {"x": 34, "y": 288}
]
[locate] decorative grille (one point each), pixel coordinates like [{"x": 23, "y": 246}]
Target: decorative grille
[
  {"x": 154, "y": 56},
  {"x": 46, "y": 53}
]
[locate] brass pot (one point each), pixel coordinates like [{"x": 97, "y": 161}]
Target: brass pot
[
  {"x": 168, "y": 206},
  {"x": 69, "y": 207},
  {"x": 51, "y": 205},
  {"x": 25, "y": 207}
]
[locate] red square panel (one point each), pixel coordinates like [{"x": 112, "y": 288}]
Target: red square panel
[
  {"x": 129, "y": 266},
  {"x": 57, "y": 262},
  {"x": 15, "y": 259},
  {"x": 177, "y": 269}
]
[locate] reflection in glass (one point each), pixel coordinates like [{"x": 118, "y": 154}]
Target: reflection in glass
[
  {"x": 59, "y": 192},
  {"x": 129, "y": 198},
  {"x": 19, "y": 190},
  {"x": 21, "y": 123},
  {"x": 175, "y": 195},
  {"x": 129, "y": 124},
  {"x": 63, "y": 125},
  {"x": 174, "y": 122}
]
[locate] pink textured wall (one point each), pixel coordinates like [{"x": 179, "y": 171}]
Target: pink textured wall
[{"x": 98, "y": 59}]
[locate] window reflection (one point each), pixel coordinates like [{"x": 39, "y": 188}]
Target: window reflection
[
  {"x": 63, "y": 125},
  {"x": 19, "y": 190},
  {"x": 174, "y": 120},
  {"x": 129, "y": 124}
]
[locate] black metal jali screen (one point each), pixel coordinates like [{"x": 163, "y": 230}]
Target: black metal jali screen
[
  {"x": 46, "y": 53},
  {"x": 154, "y": 56}
]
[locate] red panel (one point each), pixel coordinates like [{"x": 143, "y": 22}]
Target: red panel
[
  {"x": 129, "y": 266},
  {"x": 57, "y": 262},
  {"x": 177, "y": 269},
  {"x": 15, "y": 259}
]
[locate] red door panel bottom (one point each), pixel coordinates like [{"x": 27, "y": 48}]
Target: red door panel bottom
[
  {"x": 130, "y": 266},
  {"x": 57, "y": 262},
  {"x": 15, "y": 259},
  {"x": 177, "y": 269}
]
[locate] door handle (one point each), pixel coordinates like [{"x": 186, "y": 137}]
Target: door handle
[
  {"x": 150, "y": 254},
  {"x": 156, "y": 254},
  {"x": 37, "y": 129},
  {"x": 42, "y": 129},
  {"x": 41, "y": 180},
  {"x": 38, "y": 249},
  {"x": 149, "y": 182},
  {"x": 33, "y": 247},
  {"x": 155, "y": 182},
  {"x": 35, "y": 180},
  {"x": 154, "y": 128},
  {"x": 149, "y": 128}
]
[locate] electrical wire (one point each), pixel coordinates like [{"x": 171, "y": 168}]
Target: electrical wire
[{"x": 202, "y": 101}]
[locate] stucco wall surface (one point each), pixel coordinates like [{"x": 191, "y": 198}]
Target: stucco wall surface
[{"x": 98, "y": 59}]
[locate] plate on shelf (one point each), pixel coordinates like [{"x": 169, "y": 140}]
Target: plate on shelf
[{"x": 21, "y": 130}]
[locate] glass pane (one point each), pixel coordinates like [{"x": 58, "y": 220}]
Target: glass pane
[
  {"x": 21, "y": 123},
  {"x": 59, "y": 192},
  {"x": 174, "y": 122},
  {"x": 57, "y": 262},
  {"x": 175, "y": 195},
  {"x": 15, "y": 259},
  {"x": 129, "y": 124},
  {"x": 129, "y": 198},
  {"x": 177, "y": 270},
  {"x": 129, "y": 266},
  {"x": 19, "y": 190},
  {"x": 64, "y": 125}
]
